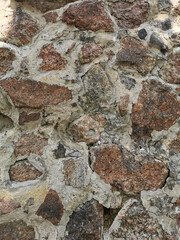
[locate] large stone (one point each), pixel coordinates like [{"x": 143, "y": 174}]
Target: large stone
[
  {"x": 51, "y": 59},
  {"x": 118, "y": 167},
  {"x": 33, "y": 94},
  {"x": 17, "y": 230},
  {"x": 52, "y": 208},
  {"x": 29, "y": 144},
  {"x": 87, "y": 128},
  {"x": 130, "y": 15},
  {"x": 17, "y": 27},
  {"x": 134, "y": 222},
  {"x": 157, "y": 109},
  {"x": 23, "y": 171},
  {"x": 171, "y": 70},
  {"x": 134, "y": 55},
  {"x": 89, "y": 15},
  {"x": 7, "y": 57},
  {"x": 89, "y": 52},
  {"x": 86, "y": 222},
  {"x": 8, "y": 205}
]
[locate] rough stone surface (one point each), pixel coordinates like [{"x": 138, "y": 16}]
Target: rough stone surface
[
  {"x": 51, "y": 17},
  {"x": 23, "y": 171},
  {"x": 129, "y": 82},
  {"x": 86, "y": 222},
  {"x": 164, "y": 5},
  {"x": 34, "y": 94},
  {"x": 134, "y": 55},
  {"x": 24, "y": 117},
  {"x": 19, "y": 29},
  {"x": 7, "y": 206},
  {"x": 60, "y": 151},
  {"x": 89, "y": 15},
  {"x": 52, "y": 208},
  {"x": 89, "y": 52},
  {"x": 171, "y": 70},
  {"x": 130, "y": 15},
  {"x": 16, "y": 230},
  {"x": 29, "y": 144},
  {"x": 118, "y": 167},
  {"x": 123, "y": 104},
  {"x": 7, "y": 57},
  {"x": 175, "y": 144},
  {"x": 157, "y": 109},
  {"x": 158, "y": 42},
  {"x": 51, "y": 59}
]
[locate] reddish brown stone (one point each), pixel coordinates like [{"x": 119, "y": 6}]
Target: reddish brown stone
[
  {"x": 23, "y": 171},
  {"x": 157, "y": 109},
  {"x": 52, "y": 60},
  {"x": 24, "y": 66},
  {"x": 177, "y": 9},
  {"x": 17, "y": 230},
  {"x": 24, "y": 117},
  {"x": 89, "y": 52},
  {"x": 123, "y": 104},
  {"x": 118, "y": 167},
  {"x": 7, "y": 206},
  {"x": 52, "y": 208},
  {"x": 51, "y": 17},
  {"x": 134, "y": 54},
  {"x": 171, "y": 70},
  {"x": 175, "y": 144},
  {"x": 89, "y": 15},
  {"x": 18, "y": 28},
  {"x": 87, "y": 128},
  {"x": 86, "y": 223},
  {"x": 33, "y": 94},
  {"x": 7, "y": 57},
  {"x": 30, "y": 143},
  {"x": 130, "y": 15}
]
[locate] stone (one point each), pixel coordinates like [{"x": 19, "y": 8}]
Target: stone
[
  {"x": 30, "y": 144},
  {"x": 8, "y": 205},
  {"x": 142, "y": 34},
  {"x": 134, "y": 55},
  {"x": 175, "y": 144},
  {"x": 18, "y": 27},
  {"x": 51, "y": 59},
  {"x": 16, "y": 230},
  {"x": 87, "y": 128},
  {"x": 118, "y": 167},
  {"x": 22, "y": 171},
  {"x": 170, "y": 72},
  {"x": 60, "y": 151},
  {"x": 52, "y": 208},
  {"x": 89, "y": 52},
  {"x": 51, "y": 17},
  {"x": 86, "y": 222},
  {"x": 33, "y": 94},
  {"x": 158, "y": 42},
  {"x": 157, "y": 108},
  {"x": 130, "y": 15},
  {"x": 129, "y": 82},
  {"x": 88, "y": 15},
  {"x": 7, "y": 56},
  {"x": 166, "y": 25},
  {"x": 134, "y": 222},
  {"x": 164, "y": 5},
  {"x": 177, "y": 8},
  {"x": 24, "y": 117},
  {"x": 24, "y": 66},
  {"x": 123, "y": 104}
]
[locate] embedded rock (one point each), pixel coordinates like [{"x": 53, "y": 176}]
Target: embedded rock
[
  {"x": 142, "y": 34},
  {"x": 7, "y": 57},
  {"x": 7, "y": 206},
  {"x": 158, "y": 42},
  {"x": 175, "y": 144},
  {"x": 88, "y": 15},
  {"x": 157, "y": 109},
  {"x": 164, "y": 5},
  {"x": 51, "y": 17},
  {"x": 118, "y": 167},
  {"x": 24, "y": 117},
  {"x": 129, "y": 82},
  {"x": 89, "y": 52},
  {"x": 123, "y": 104},
  {"x": 33, "y": 94},
  {"x": 52, "y": 208}
]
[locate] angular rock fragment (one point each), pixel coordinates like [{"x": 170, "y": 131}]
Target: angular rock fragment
[
  {"x": 24, "y": 117},
  {"x": 89, "y": 52},
  {"x": 7, "y": 57},
  {"x": 118, "y": 167},
  {"x": 157, "y": 109},
  {"x": 52, "y": 208},
  {"x": 51, "y": 17},
  {"x": 33, "y": 94},
  {"x": 86, "y": 222},
  {"x": 123, "y": 104},
  {"x": 129, "y": 82},
  {"x": 88, "y": 15},
  {"x": 8, "y": 205}
]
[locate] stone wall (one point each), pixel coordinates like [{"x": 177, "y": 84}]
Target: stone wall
[{"x": 89, "y": 119}]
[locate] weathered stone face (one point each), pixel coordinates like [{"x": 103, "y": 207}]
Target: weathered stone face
[
  {"x": 52, "y": 208},
  {"x": 118, "y": 167},
  {"x": 7, "y": 206},
  {"x": 171, "y": 70},
  {"x": 24, "y": 117},
  {"x": 16, "y": 230},
  {"x": 52, "y": 60},
  {"x": 28, "y": 144},
  {"x": 134, "y": 55},
  {"x": 89, "y": 15},
  {"x": 51, "y": 17},
  {"x": 157, "y": 109},
  {"x": 28, "y": 93},
  {"x": 86, "y": 222},
  {"x": 130, "y": 15},
  {"x": 7, "y": 57},
  {"x": 20, "y": 28},
  {"x": 89, "y": 52}
]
